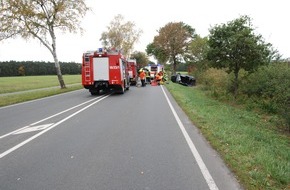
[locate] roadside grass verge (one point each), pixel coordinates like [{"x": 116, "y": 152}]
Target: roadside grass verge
[
  {"x": 26, "y": 96},
  {"x": 22, "y": 83},
  {"x": 258, "y": 155},
  {"x": 34, "y": 87}
]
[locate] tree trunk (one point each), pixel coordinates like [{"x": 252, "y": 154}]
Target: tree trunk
[
  {"x": 56, "y": 64},
  {"x": 58, "y": 72},
  {"x": 174, "y": 66}
]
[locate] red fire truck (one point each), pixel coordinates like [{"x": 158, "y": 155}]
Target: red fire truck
[
  {"x": 103, "y": 70},
  {"x": 132, "y": 69}
]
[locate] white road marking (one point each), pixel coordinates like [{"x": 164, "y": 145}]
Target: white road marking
[
  {"x": 210, "y": 182},
  {"x": 13, "y": 132},
  {"x": 34, "y": 128},
  {"x": 49, "y": 128}
]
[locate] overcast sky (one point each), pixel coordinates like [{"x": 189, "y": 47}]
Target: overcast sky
[{"x": 269, "y": 17}]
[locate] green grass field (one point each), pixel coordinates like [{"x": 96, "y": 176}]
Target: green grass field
[
  {"x": 259, "y": 156},
  {"x": 22, "y": 83},
  {"x": 21, "y": 86}
]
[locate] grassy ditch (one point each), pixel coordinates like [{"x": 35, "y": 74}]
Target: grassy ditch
[
  {"x": 259, "y": 156},
  {"x": 21, "y": 89}
]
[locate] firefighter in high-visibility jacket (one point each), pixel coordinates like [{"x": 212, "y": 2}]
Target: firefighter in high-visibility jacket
[
  {"x": 142, "y": 76},
  {"x": 158, "y": 77},
  {"x": 148, "y": 78}
]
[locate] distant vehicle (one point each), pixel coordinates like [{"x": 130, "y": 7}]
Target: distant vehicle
[
  {"x": 132, "y": 70},
  {"x": 185, "y": 80},
  {"x": 104, "y": 70},
  {"x": 154, "y": 69}
]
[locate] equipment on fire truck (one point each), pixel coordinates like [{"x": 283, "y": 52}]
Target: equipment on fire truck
[
  {"x": 132, "y": 70},
  {"x": 139, "y": 83},
  {"x": 105, "y": 70}
]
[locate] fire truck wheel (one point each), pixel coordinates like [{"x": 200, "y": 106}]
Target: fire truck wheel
[
  {"x": 95, "y": 92},
  {"x": 122, "y": 90}
]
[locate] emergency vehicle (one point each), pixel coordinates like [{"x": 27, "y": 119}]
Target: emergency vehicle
[
  {"x": 132, "y": 70},
  {"x": 103, "y": 70},
  {"x": 154, "y": 69}
]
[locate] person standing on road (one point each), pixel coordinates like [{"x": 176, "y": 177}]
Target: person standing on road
[
  {"x": 142, "y": 76},
  {"x": 148, "y": 78},
  {"x": 158, "y": 77}
]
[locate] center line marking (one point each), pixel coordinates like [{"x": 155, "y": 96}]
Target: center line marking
[
  {"x": 13, "y": 132},
  {"x": 49, "y": 128}
]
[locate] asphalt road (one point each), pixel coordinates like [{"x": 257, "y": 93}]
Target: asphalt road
[{"x": 140, "y": 140}]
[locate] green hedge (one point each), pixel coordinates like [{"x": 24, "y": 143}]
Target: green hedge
[
  {"x": 266, "y": 89},
  {"x": 269, "y": 88},
  {"x": 33, "y": 68}
]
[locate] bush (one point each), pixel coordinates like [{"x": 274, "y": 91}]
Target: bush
[
  {"x": 216, "y": 81},
  {"x": 269, "y": 88}
]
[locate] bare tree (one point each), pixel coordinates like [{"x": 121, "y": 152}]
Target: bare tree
[
  {"x": 121, "y": 35},
  {"x": 40, "y": 19}
]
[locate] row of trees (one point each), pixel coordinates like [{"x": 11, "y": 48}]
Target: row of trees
[
  {"x": 233, "y": 46},
  {"x": 32, "y": 68},
  {"x": 232, "y": 60}
]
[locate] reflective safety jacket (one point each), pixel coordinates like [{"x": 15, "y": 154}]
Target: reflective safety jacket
[{"x": 142, "y": 75}]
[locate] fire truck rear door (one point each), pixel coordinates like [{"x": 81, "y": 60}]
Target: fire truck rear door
[{"x": 101, "y": 68}]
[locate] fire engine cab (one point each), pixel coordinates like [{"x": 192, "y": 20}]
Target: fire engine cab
[{"x": 103, "y": 70}]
